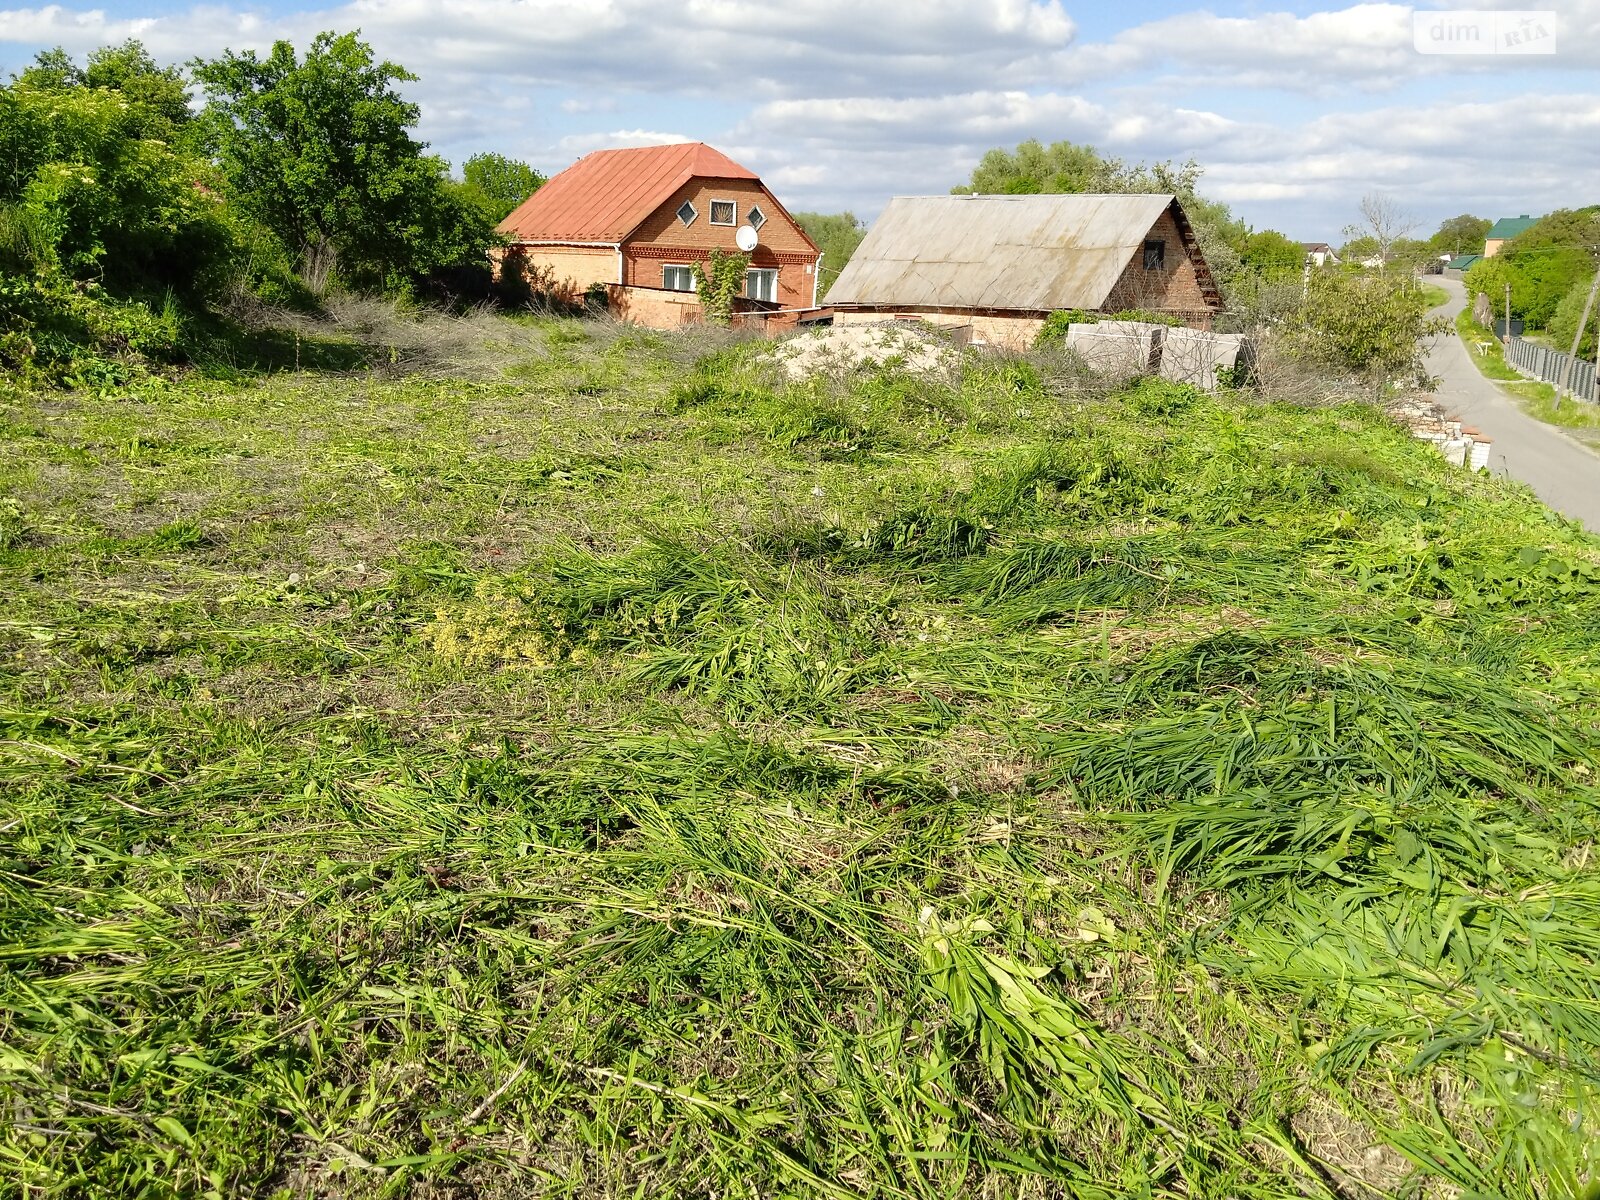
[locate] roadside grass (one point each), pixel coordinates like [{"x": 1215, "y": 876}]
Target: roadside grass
[
  {"x": 587, "y": 765},
  {"x": 1536, "y": 398},
  {"x": 1434, "y": 295}
]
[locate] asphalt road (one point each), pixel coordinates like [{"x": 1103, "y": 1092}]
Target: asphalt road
[{"x": 1563, "y": 472}]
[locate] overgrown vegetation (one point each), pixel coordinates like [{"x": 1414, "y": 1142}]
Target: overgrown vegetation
[
  {"x": 721, "y": 283},
  {"x": 593, "y": 767},
  {"x": 134, "y": 233},
  {"x": 1370, "y": 326},
  {"x": 1548, "y": 268}
]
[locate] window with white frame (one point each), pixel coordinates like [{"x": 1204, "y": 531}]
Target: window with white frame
[
  {"x": 757, "y": 218},
  {"x": 677, "y": 277},
  {"x": 724, "y": 212},
  {"x": 687, "y": 213},
  {"x": 761, "y": 284}
]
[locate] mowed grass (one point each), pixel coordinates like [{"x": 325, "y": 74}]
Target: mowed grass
[{"x": 619, "y": 773}]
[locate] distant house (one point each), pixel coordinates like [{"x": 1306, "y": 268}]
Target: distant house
[
  {"x": 999, "y": 265},
  {"x": 1319, "y": 254},
  {"x": 1461, "y": 262},
  {"x": 643, "y": 220},
  {"x": 1503, "y": 230}
]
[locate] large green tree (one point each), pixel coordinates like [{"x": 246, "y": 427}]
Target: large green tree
[
  {"x": 497, "y": 184},
  {"x": 319, "y": 150},
  {"x": 1272, "y": 256},
  {"x": 1460, "y": 235},
  {"x": 837, "y": 235}
]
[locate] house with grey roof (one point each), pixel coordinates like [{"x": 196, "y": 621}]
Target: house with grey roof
[{"x": 997, "y": 266}]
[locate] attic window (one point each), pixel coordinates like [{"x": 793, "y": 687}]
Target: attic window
[
  {"x": 724, "y": 212},
  {"x": 687, "y": 213},
  {"x": 757, "y": 217},
  {"x": 1155, "y": 255}
]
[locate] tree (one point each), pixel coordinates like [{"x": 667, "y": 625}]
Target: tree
[
  {"x": 1271, "y": 256},
  {"x": 497, "y": 184},
  {"x": 319, "y": 151},
  {"x": 837, "y": 235},
  {"x": 1383, "y": 221},
  {"x": 1564, "y": 321},
  {"x": 1460, "y": 235},
  {"x": 1034, "y": 168},
  {"x": 161, "y": 94}
]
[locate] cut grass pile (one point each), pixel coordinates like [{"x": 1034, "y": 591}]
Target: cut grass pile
[{"x": 621, "y": 773}]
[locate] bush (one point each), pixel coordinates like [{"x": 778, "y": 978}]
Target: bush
[{"x": 1366, "y": 325}]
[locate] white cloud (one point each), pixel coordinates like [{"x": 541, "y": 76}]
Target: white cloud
[
  {"x": 842, "y": 104},
  {"x": 579, "y": 144}
]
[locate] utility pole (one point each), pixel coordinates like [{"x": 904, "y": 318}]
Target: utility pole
[
  {"x": 1577, "y": 336},
  {"x": 1506, "y": 338}
]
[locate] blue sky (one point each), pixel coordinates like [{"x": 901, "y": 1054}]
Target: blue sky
[{"x": 1294, "y": 109}]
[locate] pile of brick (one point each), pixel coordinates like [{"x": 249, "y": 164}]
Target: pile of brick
[{"x": 1461, "y": 445}]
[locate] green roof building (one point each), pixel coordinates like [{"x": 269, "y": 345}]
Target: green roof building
[{"x": 1503, "y": 230}]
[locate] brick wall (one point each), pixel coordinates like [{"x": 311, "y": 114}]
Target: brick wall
[
  {"x": 653, "y": 307},
  {"x": 571, "y": 268},
  {"x": 663, "y": 239},
  {"x": 658, "y": 308},
  {"x": 1173, "y": 288}
]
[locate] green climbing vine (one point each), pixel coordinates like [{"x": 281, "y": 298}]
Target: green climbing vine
[{"x": 720, "y": 284}]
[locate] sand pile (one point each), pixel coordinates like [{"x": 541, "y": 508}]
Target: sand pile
[{"x": 840, "y": 348}]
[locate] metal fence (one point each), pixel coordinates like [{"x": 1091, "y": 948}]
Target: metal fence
[{"x": 1551, "y": 365}]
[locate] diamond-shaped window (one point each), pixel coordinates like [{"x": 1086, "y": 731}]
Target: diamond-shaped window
[
  {"x": 687, "y": 213},
  {"x": 757, "y": 217}
]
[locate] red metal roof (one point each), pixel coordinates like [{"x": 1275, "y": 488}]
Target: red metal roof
[{"x": 603, "y": 196}]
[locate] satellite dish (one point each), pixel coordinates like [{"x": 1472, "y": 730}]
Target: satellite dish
[{"x": 745, "y": 239}]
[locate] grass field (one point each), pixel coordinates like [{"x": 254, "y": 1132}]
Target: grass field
[
  {"x": 608, "y": 772},
  {"x": 1434, "y": 295}
]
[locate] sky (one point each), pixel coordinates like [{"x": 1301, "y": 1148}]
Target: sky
[{"x": 1294, "y": 110}]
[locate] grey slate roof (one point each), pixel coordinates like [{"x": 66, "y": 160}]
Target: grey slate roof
[{"x": 1031, "y": 253}]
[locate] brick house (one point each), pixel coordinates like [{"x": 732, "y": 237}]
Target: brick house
[
  {"x": 997, "y": 266},
  {"x": 642, "y": 220}
]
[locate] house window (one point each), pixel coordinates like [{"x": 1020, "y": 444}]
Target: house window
[
  {"x": 757, "y": 217},
  {"x": 761, "y": 285},
  {"x": 687, "y": 213},
  {"x": 677, "y": 278},
  {"x": 1155, "y": 255},
  {"x": 724, "y": 212}
]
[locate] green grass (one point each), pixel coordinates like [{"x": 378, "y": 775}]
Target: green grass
[
  {"x": 1434, "y": 295},
  {"x": 613, "y": 771}
]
